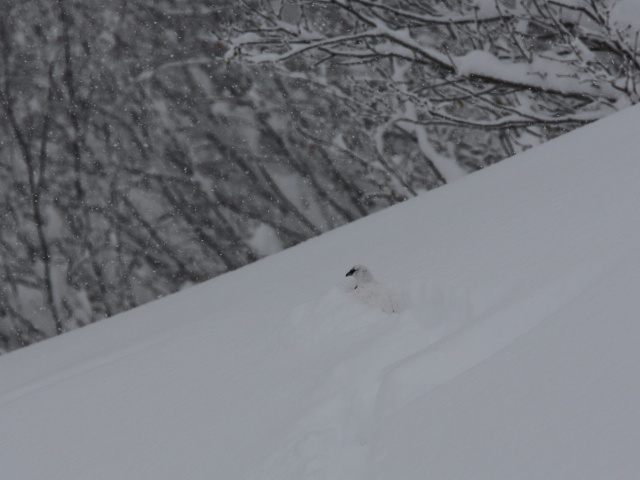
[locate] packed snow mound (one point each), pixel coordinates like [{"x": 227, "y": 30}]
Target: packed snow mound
[
  {"x": 513, "y": 353},
  {"x": 357, "y": 342}
]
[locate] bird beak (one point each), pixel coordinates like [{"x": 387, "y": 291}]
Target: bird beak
[{"x": 351, "y": 272}]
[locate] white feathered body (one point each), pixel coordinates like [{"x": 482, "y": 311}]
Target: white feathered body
[
  {"x": 370, "y": 292},
  {"x": 375, "y": 295}
]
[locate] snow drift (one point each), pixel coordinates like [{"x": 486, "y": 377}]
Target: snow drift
[{"x": 514, "y": 356}]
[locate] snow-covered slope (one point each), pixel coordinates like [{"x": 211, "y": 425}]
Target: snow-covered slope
[{"x": 515, "y": 355}]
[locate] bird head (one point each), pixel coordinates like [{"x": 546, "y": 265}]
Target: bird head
[{"x": 360, "y": 273}]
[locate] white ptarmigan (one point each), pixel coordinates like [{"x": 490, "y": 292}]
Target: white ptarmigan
[{"x": 369, "y": 291}]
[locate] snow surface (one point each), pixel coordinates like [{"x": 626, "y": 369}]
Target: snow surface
[{"x": 515, "y": 355}]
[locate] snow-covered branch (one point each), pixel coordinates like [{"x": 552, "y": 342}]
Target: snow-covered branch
[{"x": 540, "y": 66}]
